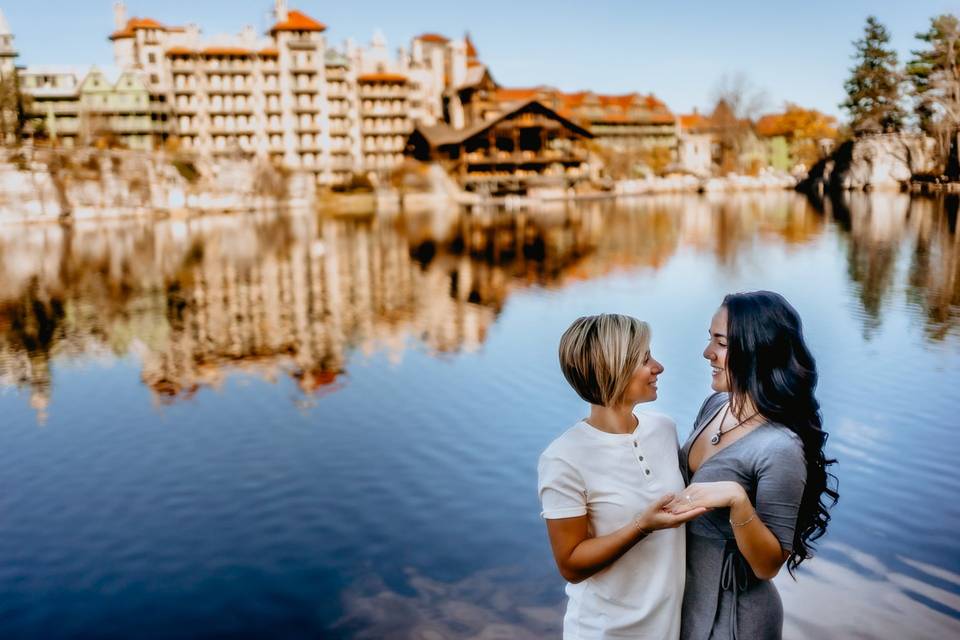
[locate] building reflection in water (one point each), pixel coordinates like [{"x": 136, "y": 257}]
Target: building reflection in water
[{"x": 294, "y": 294}]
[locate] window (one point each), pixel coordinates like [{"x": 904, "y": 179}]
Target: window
[
  {"x": 154, "y": 78},
  {"x": 151, "y": 57}
]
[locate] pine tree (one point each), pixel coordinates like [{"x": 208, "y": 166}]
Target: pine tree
[
  {"x": 873, "y": 89},
  {"x": 934, "y": 73}
]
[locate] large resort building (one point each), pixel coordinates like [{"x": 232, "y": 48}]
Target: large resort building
[{"x": 287, "y": 97}]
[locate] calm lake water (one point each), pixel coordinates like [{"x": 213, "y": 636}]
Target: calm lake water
[{"x": 295, "y": 427}]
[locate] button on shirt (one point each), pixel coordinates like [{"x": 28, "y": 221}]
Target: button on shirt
[{"x": 612, "y": 478}]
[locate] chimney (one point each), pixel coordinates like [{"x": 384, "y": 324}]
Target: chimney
[
  {"x": 280, "y": 10},
  {"x": 119, "y": 15}
]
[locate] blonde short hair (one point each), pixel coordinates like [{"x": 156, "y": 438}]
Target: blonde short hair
[{"x": 599, "y": 354}]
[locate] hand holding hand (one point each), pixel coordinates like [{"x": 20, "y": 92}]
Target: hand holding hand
[
  {"x": 657, "y": 516},
  {"x": 707, "y": 495}
]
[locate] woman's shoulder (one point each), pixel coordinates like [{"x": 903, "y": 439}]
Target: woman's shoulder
[
  {"x": 776, "y": 441},
  {"x": 566, "y": 444},
  {"x": 656, "y": 419},
  {"x": 713, "y": 401}
]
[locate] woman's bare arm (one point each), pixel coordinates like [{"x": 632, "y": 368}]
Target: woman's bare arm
[
  {"x": 579, "y": 556},
  {"x": 756, "y": 542}
]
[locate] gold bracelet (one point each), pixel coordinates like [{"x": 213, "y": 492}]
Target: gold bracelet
[{"x": 745, "y": 522}]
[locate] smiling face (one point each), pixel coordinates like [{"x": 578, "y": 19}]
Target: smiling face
[
  {"x": 716, "y": 351},
  {"x": 643, "y": 383}
]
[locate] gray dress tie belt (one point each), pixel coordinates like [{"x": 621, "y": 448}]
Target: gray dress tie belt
[{"x": 735, "y": 577}]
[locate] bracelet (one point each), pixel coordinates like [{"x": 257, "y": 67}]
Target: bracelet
[
  {"x": 643, "y": 532},
  {"x": 745, "y": 522}
]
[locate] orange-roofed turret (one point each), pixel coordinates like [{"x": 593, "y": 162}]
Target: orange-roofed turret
[
  {"x": 433, "y": 37},
  {"x": 297, "y": 21},
  {"x": 133, "y": 24}
]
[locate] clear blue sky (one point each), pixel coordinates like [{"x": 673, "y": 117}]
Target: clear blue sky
[{"x": 797, "y": 51}]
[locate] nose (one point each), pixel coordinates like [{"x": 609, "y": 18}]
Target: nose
[
  {"x": 658, "y": 367},
  {"x": 709, "y": 354}
]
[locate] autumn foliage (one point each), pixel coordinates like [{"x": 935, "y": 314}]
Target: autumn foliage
[{"x": 804, "y": 130}]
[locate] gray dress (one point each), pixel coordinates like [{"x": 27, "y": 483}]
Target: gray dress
[{"x": 723, "y": 598}]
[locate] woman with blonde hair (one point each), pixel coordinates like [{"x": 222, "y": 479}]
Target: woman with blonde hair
[{"x": 604, "y": 484}]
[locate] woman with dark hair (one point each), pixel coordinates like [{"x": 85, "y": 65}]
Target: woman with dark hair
[{"x": 755, "y": 459}]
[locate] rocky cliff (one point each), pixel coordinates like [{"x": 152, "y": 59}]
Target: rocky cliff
[
  {"x": 881, "y": 161},
  {"x": 38, "y": 184}
]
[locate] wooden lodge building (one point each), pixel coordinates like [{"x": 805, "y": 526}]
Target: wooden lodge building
[{"x": 521, "y": 145}]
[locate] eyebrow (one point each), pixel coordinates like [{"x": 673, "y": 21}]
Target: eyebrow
[{"x": 716, "y": 335}]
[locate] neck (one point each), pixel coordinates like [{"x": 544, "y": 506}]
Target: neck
[
  {"x": 615, "y": 419},
  {"x": 746, "y": 413}
]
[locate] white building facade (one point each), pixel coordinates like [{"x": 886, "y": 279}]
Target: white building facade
[{"x": 286, "y": 95}]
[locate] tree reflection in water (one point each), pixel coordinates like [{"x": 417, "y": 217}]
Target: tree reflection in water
[{"x": 882, "y": 228}]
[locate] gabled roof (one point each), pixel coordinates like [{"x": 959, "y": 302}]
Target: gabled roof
[
  {"x": 471, "y": 50},
  {"x": 297, "y": 21},
  {"x": 441, "y": 134},
  {"x": 695, "y": 120},
  {"x": 133, "y": 78},
  {"x": 476, "y": 75}
]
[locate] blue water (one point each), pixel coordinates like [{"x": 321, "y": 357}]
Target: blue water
[{"x": 294, "y": 426}]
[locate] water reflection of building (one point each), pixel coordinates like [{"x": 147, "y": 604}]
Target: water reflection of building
[
  {"x": 289, "y": 295},
  {"x": 274, "y": 296}
]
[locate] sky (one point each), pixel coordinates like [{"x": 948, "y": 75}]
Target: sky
[{"x": 792, "y": 51}]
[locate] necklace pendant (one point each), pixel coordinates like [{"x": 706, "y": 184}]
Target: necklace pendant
[{"x": 715, "y": 439}]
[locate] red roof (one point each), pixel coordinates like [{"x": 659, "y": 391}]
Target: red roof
[
  {"x": 621, "y": 101},
  {"x": 433, "y": 37},
  {"x": 227, "y": 51},
  {"x": 140, "y": 23},
  {"x": 297, "y": 21},
  {"x": 268, "y": 53},
  {"x": 471, "y": 50},
  {"x": 180, "y": 51},
  {"x": 574, "y": 100},
  {"x": 653, "y": 102},
  {"x": 382, "y": 77},
  {"x": 693, "y": 120},
  {"x": 505, "y": 94}
]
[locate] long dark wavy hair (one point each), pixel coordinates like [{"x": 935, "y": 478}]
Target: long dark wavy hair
[{"x": 769, "y": 363}]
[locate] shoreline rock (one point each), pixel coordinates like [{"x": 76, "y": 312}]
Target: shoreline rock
[{"x": 886, "y": 161}]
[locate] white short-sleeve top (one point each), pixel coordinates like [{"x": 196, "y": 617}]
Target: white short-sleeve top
[{"x": 612, "y": 478}]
